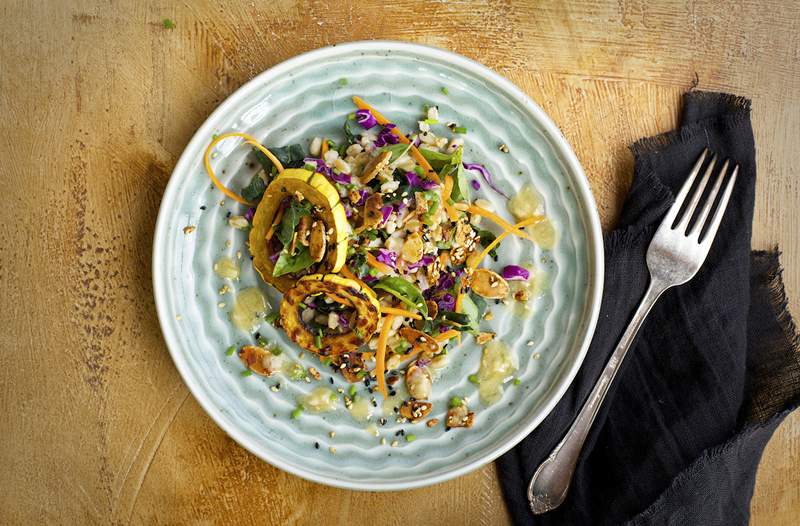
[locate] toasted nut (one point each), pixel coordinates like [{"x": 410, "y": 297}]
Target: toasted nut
[
  {"x": 459, "y": 417},
  {"x": 412, "y": 248},
  {"x": 415, "y": 410},
  {"x": 372, "y": 215},
  {"x": 189, "y": 229},
  {"x": 418, "y": 381},
  {"x": 392, "y": 379},
  {"x": 432, "y": 422},
  {"x": 354, "y": 196},
  {"x": 484, "y": 337},
  {"x": 303, "y": 228},
  {"x": 260, "y": 360},
  {"x": 489, "y": 284},
  {"x": 422, "y": 203},
  {"x": 419, "y": 340},
  {"x": 238, "y": 222},
  {"x": 433, "y": 310},
  {"x": 374, "y": 166},
  {"x": 314, "y": 373},
  {"x": 317, "y": 242}
]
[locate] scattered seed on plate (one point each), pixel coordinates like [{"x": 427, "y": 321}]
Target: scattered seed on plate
[
  {"x": 221, "y": 305},
  {"x": 529, "y": 343},
  {"x": 395, "y": 443},
  {"x": 332, "y": 434},
  {"x": 332, "y": 450},
  {"x": 178, "y": 317},
  {"x": 189, "y": 229},
  {"x": 503, "y": 148},
  {"x": 537, "y": 356},
  {"x": 383, "y": 441}
]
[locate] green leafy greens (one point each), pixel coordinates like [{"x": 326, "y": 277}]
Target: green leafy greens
[
  {"x": 405, "y": 291},
  {"x": 287, "y": 264}
]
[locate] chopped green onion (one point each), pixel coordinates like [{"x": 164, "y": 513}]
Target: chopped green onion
[
  {"x": 460, "y": 129},
  {"x": 230, "y": 350},
  {"x": 297, "y": 412},
  {"x": 343, "y": 81},
  {"x": 361, "y": 374},
  {"x": 168, "y": 24},
  {"x": 411, "y": 438},
  {"x": 445, "y": 90},
  {"x": 247, "y": 372},
  {"x": 318, "y": 339},
  {"x": 359, "y": 332},
  {"x": 332, "y": 396},
  {"x": 352, "y": 390},
  {"x": 473, "y": 378},
  {"x": 276, "y": 351},
  {"x": 326, "y": 362},
  {"x": 455, "y": 402},
  {"x": 272, "y": 317},
  {"x": 331, "y": 144},
  {"x": 351, "y": 116},
  {"x": 419, "y": 171},
  {"x": 431, "y": 122},
  {"x": 517, "y": 381},
  {"x": 263, "y": 343}
]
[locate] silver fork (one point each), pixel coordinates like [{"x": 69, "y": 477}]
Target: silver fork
[{"x": 673, "y": 258}]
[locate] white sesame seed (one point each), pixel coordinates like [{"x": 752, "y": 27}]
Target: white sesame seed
[
  {"x": 221, "y": 305},
  {"x": 332, "y": 450},
  {"x": 383, "y": 441},
  {"x": 394, "y": 443},
  {"x": 529, "y": 343},
  {"x": 178, "y": 317},
  {"x": 332, "y": 434},
  {"x": 537, "y": 356}
]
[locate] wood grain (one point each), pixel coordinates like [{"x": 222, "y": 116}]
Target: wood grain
[{"x": 98, "y": 100}]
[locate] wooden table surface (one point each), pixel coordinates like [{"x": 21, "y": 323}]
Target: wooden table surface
[{"x": 98, "y": 100}]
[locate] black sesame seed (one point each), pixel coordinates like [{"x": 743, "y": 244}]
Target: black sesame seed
[
  {"x": 316, "y": 445},
  {"x": 374, "y": 403},
  {"x": 392, "y": 393},
  {"x": 257, "y": 335},
  {"x": 228, "y": 214},
  {"x": 203, "y": 207}
]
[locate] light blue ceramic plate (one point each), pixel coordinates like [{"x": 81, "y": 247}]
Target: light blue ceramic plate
[{"x": 306, "y": 97}]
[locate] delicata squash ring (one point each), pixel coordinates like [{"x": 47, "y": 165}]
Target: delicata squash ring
[
  {"x": 342, "y": 290},
  {"x": 325, "y": 198}
]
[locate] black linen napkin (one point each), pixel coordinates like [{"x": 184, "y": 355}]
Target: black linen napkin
[{"x": 714, "y": 370}]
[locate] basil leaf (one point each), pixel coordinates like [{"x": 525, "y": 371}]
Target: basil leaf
[
  {"x": 397, "y": 150},
  {"x": 486, "y": 237},
  {"x": 459, "y": 318},
  {"x": 469, "y": 308},
  {"x": 405, "y": 291},
  {"x": 290, "y": 220},
  {"x": 437, "y": 160},
  {"x": 287, "y": 264},
  {"x": 348, "y": 133},
  {"x": 255, "y": 190},
  {"x": 290, "y": 156},
  {"x": 460, "y": 190},
  {"x": 480, "y": 303}
]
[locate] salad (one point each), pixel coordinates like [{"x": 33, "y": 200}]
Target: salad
[{"x": 384, "y": 258}]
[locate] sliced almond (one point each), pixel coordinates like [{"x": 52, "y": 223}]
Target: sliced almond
[
  {"x": 484, "y": 337},
  {"x": 419, "y": 340},
  {"x": 418, "y": 381},
  {"x": 374, "y": 166},
  {"x": 489, "y": 284},
  {"x": 317, "y": 241},
  {"x": 302, "y": 230},
  {"x": 415, "y": 410},
  {"x": 259, "y": 360},
  {"x": 459, "y": 417}
]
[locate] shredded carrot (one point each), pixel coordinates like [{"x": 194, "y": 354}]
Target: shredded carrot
[
  {"x": 248, "y": 140},
  {"x": 446, "y": 335},
  {"x": 346, "y": 272},
  {"x": 477, "y": 210},
  {"x": 401, "y": 312},
  {"x": 474, "y": 262},
  {"x": 452, "y": 213},
  {"x": 415, "y": 153},
  {"x": 324, "y": 149},
  {"x": 275, "y": 222},
  {"x": 380, "y": 355},
  {"x": 377, "y": 265}
]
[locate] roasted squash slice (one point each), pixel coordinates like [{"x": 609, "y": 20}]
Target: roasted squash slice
[
  {"x": 328, "y": 207},
  {"x": 366, "y": 313}
]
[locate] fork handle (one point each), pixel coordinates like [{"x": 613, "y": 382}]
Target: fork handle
[{"x": 550, "y": 483}]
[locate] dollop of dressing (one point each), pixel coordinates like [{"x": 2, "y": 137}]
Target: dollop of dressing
[
  {"x": 248, "y": 306},
  {"x": 361, "y": 409},
  {"x": 320, "y": 400},
  {"x": 226, "y": 268},
  {"x": 498, "y": 364},
  {"x": 525, "y": 203}
]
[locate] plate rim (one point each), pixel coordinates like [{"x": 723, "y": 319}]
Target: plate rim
[{"x": 588, "y": 213}]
